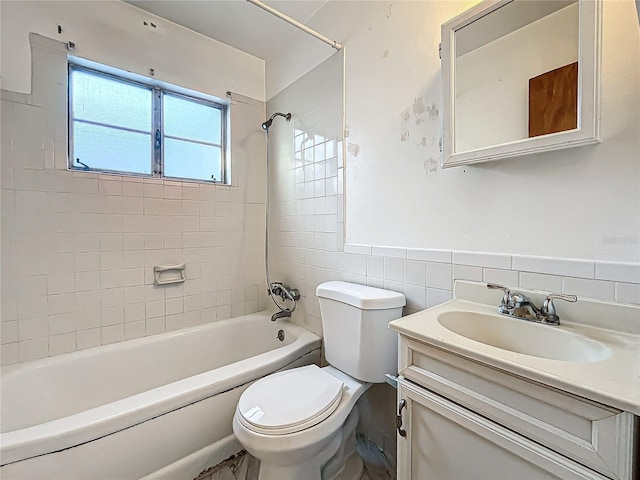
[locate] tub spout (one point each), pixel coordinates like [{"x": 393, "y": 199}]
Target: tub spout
[{"x": 280, "y": 314}]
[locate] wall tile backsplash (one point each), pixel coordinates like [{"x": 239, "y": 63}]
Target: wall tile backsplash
[
  {"x": 426, "y": 283},
  {"x": 78, "y": 248}
]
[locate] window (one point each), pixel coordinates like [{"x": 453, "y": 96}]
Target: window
[{"x": 120, "y": 125}]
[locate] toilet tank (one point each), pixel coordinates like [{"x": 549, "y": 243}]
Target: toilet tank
[{"x": 355, "y": 321}]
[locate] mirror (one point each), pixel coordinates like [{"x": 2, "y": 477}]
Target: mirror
[{"x": 520, "y": 77}]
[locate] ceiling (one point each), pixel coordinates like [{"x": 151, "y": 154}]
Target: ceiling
[
  {"x": 235, "y": 22},
  {"x": 504, "y": 20}
]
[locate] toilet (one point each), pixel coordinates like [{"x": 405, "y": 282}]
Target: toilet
[{"x": 300, "y": 423}]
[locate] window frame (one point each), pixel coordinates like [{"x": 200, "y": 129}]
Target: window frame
[
  {"x": 157, "y": 134},
  {"x": 223, "y": 134}
]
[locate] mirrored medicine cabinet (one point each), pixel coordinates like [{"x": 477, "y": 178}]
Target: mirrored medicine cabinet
[{"x": 520, "y": 77}]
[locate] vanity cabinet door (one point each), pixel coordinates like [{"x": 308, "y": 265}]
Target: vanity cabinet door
[
  {"x": 446, "y": 441},
  {"x": 592, "y": 434}
]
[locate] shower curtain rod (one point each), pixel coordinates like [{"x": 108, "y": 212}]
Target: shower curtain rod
[{"x": 295, "y": 23}]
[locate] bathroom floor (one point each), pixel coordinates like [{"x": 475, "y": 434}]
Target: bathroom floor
[
  {"x": 246, "y": 467},
  {"x": 378, "y": 465},
  {"x": 240, "y": 467}
]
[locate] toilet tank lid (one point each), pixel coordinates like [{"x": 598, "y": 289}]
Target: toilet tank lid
[{"x": 360, "y": 296}]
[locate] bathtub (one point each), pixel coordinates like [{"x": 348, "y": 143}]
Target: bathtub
[{"x": 155, "y": 407}]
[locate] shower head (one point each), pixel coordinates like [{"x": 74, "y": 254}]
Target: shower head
[{"x": 267, "y": 124}]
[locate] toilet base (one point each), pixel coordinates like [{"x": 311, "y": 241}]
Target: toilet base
[
  {"x": 339, "y": 460},
  {"x": 345, "y": 464},
  {"x": 353, "y": 469},
  {"x": 308, "y": 471}
]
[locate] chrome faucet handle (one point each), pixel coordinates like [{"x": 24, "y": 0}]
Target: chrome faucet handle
[
  {"x": 506, "y": 299},
  {"x": 548, "y": 311},
  {"x": 519, "y": 299}
]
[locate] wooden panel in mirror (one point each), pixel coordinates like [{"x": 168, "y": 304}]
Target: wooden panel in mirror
[{"x": 553, "y": 101}]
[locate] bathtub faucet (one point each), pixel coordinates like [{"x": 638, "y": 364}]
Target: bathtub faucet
[
  {"x": 284, "y": 292},
  {"x": 280, "y": 314},
  {"x": 277, "y": 289}
]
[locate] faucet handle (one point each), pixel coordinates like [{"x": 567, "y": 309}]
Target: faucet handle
[
  {"x": 507, "y": 293},
  {"x": 548, "y": 311}
]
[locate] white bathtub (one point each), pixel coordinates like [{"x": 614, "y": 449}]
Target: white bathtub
[{"x": 155, "y": 407}]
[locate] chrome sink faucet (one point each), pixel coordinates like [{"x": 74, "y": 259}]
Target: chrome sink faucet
[{"x": 518, "y": 305}]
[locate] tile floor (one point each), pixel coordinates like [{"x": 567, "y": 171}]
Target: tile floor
[
  {"x": 243, "y": 466},
  {"x": 239, "y": 467}
]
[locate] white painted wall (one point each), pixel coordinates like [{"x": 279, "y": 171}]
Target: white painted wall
[
  {"x": 113, "y": 33},
  {"x": 492, "y": 82},
  {"x": 581, "y": 203},
  {"x": 306, "y": 232},
  {"x": 338, "y": 20}
]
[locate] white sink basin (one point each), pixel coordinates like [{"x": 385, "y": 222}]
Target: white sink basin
[{"x": 521, "y": 336}]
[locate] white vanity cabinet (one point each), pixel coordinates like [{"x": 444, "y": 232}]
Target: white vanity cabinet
[{"x": 463, "y": 419}]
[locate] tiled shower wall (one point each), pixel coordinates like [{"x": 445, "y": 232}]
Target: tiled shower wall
[
  {"x": 78, "y": 249},
  {"x": 306, "y": 228},
  {"x": 307, "y": 188}
]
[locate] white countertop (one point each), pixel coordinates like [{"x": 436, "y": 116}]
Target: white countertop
[{"x": 614, "y": 381}]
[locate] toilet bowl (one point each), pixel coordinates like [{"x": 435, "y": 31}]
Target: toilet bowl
[
  {"x": 298, "y": 452},
  {"x": 300, "y": 423}
]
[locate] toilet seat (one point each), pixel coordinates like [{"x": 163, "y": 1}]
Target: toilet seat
[{"x": 289, "y": 401}]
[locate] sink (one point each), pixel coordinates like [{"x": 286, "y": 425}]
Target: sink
[{"x": 521, "y": 336}]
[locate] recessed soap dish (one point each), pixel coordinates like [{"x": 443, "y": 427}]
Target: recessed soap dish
[{"x": 168, "y": 274}]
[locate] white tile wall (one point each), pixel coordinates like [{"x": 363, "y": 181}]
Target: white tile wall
[
  {"x": 78, "y": 249},
  {"x": 622, "y": 272},
  {"x": 439, "y": 277},
  {"x": 477, "y": 259},
  {"x": 357, "y": 248},
  {"x": 375, "y": 267},
  {"x": 442, "y": 256},
  {"x": 415, "y": 272},
  {"x": 502, "y": 277},
  {"x": 628, "y": 292},
  {"x": 393, "y": 269},
  {"x": 554, "y": 266},
  {"x": 392, "y": 252},
  {"x": 538, "y": 281}
]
